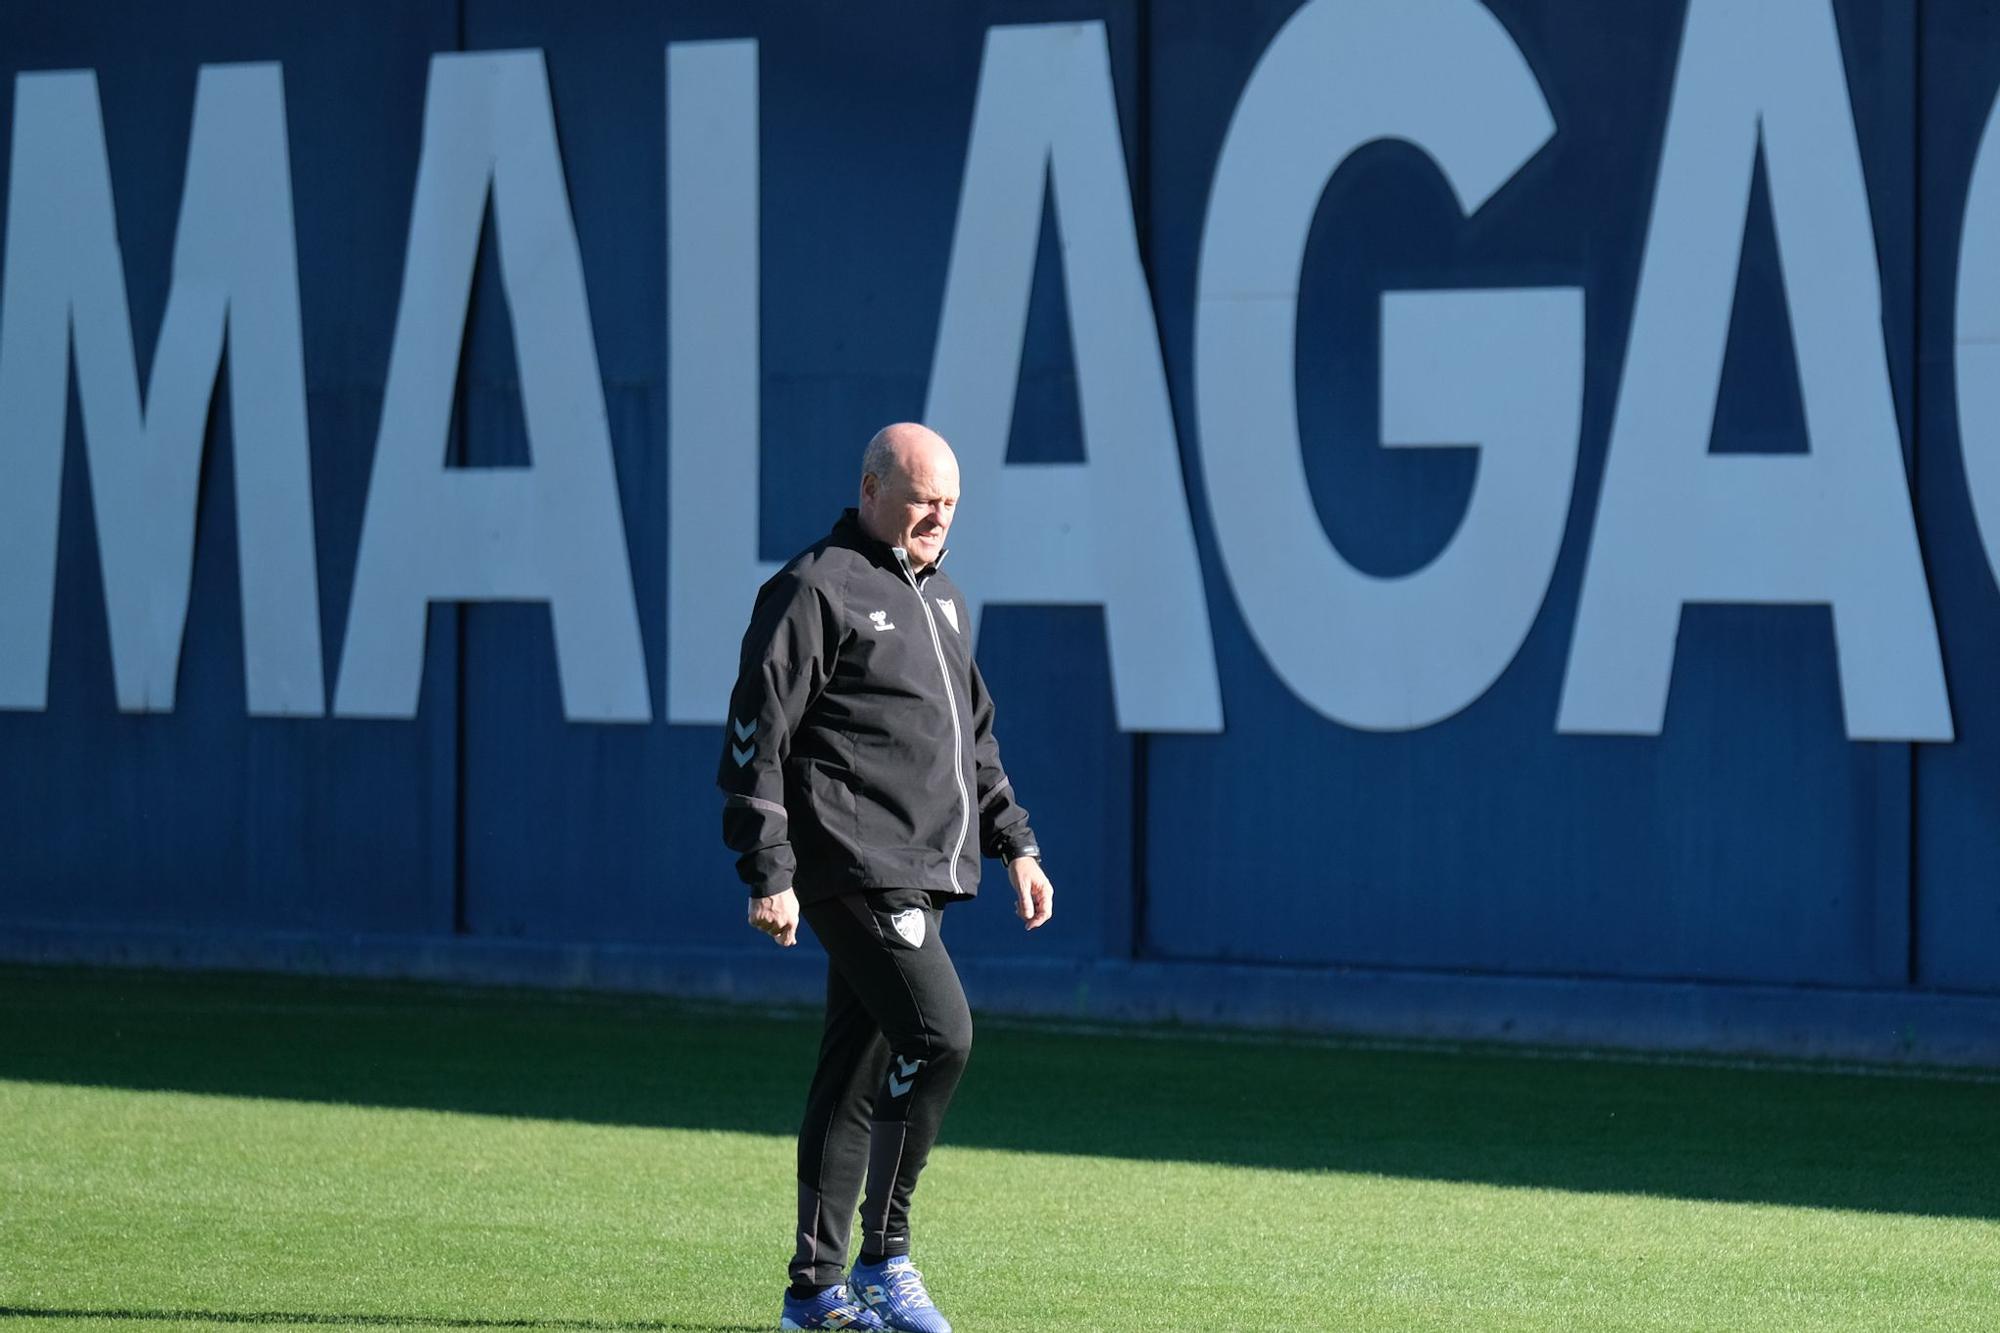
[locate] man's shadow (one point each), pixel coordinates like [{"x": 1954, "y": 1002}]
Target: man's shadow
[{"x": 374, "y": 1320}]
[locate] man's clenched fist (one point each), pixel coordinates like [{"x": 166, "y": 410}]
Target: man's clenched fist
[{"x": 777, "y": 916}]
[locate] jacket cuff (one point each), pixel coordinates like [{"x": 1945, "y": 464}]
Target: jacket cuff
[
  {"x": 1017, "y": 842},
  {"x": 767, "y": 871}
]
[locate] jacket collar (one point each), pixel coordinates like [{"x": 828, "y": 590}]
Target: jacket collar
[{"x": 848, "y": 531}]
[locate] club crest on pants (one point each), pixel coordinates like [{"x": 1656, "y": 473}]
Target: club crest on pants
[{"x": 909, "y": 923}]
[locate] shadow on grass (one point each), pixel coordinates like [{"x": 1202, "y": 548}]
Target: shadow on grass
[
  {"x": 1904, "y": 1145},
  {"x": 365, "y": 1320}
]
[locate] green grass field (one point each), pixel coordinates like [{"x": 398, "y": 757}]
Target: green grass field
[{"x": 183, "y": 1152}]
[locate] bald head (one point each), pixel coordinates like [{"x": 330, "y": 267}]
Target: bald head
[
  {"x": 909, "y": 489},
  {"x": 903, "y": 448}
]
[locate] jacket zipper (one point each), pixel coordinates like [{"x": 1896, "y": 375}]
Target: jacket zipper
[{"x": 957, "y": 732}]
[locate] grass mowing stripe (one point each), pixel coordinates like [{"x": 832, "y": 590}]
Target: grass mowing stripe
[
  {"x": 1510, "y": 1051},
  {"x": 346, "y": 1155}
]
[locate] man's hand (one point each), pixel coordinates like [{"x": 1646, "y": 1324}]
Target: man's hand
[
  {"x": 1034, "y": 896},
  {"x": 777, "y": 916}
]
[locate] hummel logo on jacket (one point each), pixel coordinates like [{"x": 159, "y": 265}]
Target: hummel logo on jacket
[{"x": 860, "y": 735}]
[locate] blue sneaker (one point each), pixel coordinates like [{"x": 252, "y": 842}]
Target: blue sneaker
[
  {"x": 894, "y": 1290},
  {"x": 833, "y": 1308}
]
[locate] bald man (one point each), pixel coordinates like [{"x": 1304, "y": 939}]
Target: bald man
[{"x": 863, "y": 782}]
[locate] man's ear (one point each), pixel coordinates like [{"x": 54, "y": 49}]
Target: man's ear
[{"x": 870, "y": 485}]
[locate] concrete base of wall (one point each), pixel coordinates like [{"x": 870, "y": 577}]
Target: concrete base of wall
[{"x": 1874, "y": 1026}]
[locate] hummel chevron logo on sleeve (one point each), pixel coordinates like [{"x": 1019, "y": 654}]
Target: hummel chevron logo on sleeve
[
  {"x": 744, "y": 730},
  {"x": 742, "y": 754},
  {"x": 907, "y": 1070}
]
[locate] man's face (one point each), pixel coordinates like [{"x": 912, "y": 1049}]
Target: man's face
[{"x": 913, "y": 508}]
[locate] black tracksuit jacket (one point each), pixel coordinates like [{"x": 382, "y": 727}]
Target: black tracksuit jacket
[{"x": 859, "y": 752}]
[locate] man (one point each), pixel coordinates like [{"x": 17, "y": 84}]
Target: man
[{"x": 863, "y": 782}]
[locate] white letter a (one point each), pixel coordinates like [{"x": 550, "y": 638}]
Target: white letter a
[{"x": 1676, "y": 524}]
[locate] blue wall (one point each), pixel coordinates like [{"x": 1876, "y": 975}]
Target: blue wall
[{"x": 1751, "y": 842}]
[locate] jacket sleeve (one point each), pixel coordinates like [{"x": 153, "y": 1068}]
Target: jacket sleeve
[
  {"x": 1003, "y": 823},
  {"x": 787, "y": 658}
]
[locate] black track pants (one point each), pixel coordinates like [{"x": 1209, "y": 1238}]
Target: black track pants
[{"x": 897, "y": 1033}]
